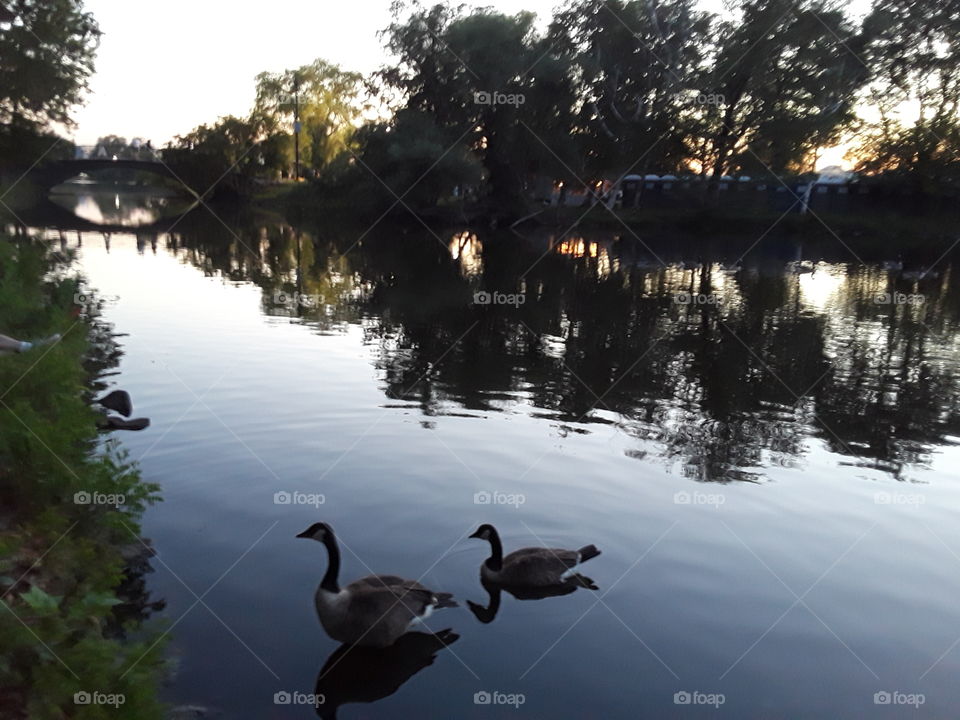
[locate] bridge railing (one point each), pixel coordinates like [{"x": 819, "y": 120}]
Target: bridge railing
[{"x": 142, "y": 152}]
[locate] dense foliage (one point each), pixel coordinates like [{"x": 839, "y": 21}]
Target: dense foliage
[{"x": 61, "y": 561}]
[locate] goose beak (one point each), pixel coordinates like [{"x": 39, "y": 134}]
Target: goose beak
[
  {"x": 476, "y": 534},
  {"x": 304, "y": 534}
]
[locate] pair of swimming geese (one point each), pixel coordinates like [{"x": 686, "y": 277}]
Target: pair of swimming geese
[{"x": 376, "y": 610}]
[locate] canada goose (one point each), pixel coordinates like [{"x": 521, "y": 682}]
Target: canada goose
[
  {"x": 365, "y": 675},
  {"x": 373, "y": 611},
  {"x": 489, "y": 613},
  {"x": 529, "y": 567}
]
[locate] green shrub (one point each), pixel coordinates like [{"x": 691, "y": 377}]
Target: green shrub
[{"x": 60, "y": 561}]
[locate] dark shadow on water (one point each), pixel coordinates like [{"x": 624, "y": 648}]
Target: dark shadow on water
[
  {"x": 488, "y": 613},
  {"x": 365, "y": 675}
]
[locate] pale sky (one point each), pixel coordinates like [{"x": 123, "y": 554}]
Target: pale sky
[{"x": 166, "y": 66}]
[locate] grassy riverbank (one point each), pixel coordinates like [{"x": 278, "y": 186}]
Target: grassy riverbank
[{"x": 66, "y": 652}]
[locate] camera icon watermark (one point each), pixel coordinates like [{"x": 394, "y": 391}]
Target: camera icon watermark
[
  {"x": 85, "y": 300},
  {"x": 699, "y": 498},
  {"x": 496, "y": 697},
  {"x": 298, "y": 498},
  {"x": 483, "y": 97},
  {"x": 897, "y": 498},
  {"x": 686, "y": 298},
  {"x": 899, "y": 298},
  {"x": 290, "y": 300},
  {"x": 496, "y": 497},
  {"x": 298, "y": 698},
  {"x": 696, "y": 697},
  {"x": 98, "y": 498},
  {"x": 716, "y": 99},
  {"x": 96, "y": 697},
  {"x": 484, "y": 297},
  {"x": 896, "y": 697}
]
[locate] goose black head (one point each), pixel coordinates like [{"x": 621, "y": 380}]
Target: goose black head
[
  {"x": 318, "y": 531},
  {"x": 485, "y": 532}
]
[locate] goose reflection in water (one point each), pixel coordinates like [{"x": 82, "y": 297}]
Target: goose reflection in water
[
  {"x": 489, "y": 613},
  {"x": 355, "y": 674}
]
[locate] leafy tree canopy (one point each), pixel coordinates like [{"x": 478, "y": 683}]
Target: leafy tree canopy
[{"x": 47, "y": 49}]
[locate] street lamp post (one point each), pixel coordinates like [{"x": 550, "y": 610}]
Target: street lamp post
[
  {"x": 296, "y": 131},
  {"x": 285, "y": 100}
]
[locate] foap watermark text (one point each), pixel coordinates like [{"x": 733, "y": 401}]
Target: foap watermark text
[
  {"x": 483, "y": 97},
  {"x": 499, "y": 498},
  {"x": 696, "y": 697},
  {"x": 98, "y": 498},
  {"x": 896, "y": 697},
  {"x": 297, "y": 299},
  {"x": 498, "y": 298},
  {"x": 96, "y": 697},
  {"x": 698, "y": 498},
  {"x": 496, "y": 697},
  {"x": 298, "y": 498}
]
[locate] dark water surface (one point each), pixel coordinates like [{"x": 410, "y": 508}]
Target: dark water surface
[{"x": 766, "y": 457}]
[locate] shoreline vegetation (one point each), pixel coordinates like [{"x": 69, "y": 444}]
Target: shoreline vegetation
[
  {"x": 918, "y": 233},
  {"x": 74, "y": 645}
]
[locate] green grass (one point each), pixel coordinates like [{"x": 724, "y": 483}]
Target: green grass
[{"x": 60, "y": 562}]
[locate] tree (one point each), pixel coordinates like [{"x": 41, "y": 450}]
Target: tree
[
  {"x": 785, "y": 76},
  {"x": 914, "y": 50},
  {"x": 419, "y": 161},
  {"x": 327, "y": 101},
  {"x": 47, "y": 49},
  {"x": 639, "y": 65},
  {"x": 214, "y": 156},
  {"x": 474, "y": 74}
]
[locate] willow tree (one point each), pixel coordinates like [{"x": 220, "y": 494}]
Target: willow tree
[{"x": 324, "y": 98}]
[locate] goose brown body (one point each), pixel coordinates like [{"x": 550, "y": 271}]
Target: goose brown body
[
  {"x": 530, "y": 567},
  {"x": 373, "y": 611}
]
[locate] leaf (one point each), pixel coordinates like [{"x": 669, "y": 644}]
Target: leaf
[
  {"x": 101, "y": 599},
  {"x": 40, "y": 601}
]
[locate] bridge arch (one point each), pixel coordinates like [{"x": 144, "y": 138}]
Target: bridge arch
[{"x": 60, "y": 171}]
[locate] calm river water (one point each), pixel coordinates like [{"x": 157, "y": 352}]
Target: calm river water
[{"x": 766, "y": 456}]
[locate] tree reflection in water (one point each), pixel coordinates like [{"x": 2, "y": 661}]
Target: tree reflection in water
[{"x": 721, "y": 370}]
